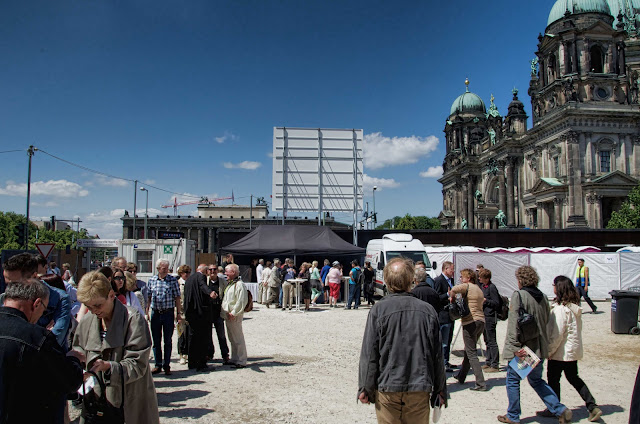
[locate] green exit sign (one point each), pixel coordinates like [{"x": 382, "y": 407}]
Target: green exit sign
[{"x": 168, "y": 250}]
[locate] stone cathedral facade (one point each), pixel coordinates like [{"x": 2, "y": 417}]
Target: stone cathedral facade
[{"x": 581, "y": 158}]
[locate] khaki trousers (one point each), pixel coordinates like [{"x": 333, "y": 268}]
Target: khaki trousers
[
  {"x": 403, "y": 407},
  {"x": 287, "y": 294},
  {"x": 236, "y": 340}
]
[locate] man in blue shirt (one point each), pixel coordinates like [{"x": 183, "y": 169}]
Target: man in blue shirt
[
  {"x": 323, "y": 276},
  {"x": 24, "y": 266},
  {"x": 164, "y": 295}
]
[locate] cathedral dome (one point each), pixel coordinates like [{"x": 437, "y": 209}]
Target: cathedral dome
[
  {"x": 577, "y": 6},
  {"x": 468, "y": 102}
]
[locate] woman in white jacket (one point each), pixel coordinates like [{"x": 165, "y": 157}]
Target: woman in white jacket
[{"x": 565, "y": 343}]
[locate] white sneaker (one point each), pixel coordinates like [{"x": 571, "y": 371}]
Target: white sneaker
[{"x": 183, "y": 360}]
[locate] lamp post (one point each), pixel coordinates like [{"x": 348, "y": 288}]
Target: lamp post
[
  {"x": 146, "y": 212},
  {"x": 375, "y": 217}
]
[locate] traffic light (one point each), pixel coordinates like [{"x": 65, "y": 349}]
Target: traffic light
[
  {"x": 53, "y": 223},
  {"x": 21, "y": 233}
]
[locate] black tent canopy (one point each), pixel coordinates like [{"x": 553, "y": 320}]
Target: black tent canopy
[{"x": 292, "y": 240}]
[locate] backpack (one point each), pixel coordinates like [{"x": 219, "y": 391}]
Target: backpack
[
  {"x": 503, "y": 310},
  {"x": 249, "y": 306},
  {"x": 360, "y": 277}
]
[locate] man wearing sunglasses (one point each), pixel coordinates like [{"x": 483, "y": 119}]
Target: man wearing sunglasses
[{"x": 32, "y": 363}]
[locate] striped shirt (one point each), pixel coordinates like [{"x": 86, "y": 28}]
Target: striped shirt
[{"x": 163, "y": 292}]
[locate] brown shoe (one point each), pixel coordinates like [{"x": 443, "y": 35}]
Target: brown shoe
[
  {"x": 491, "y": 369},
  {"x": 595, "y": 414},
  {"x": 565, "y": 417},
  {"x": 505, "y": 419},
  {"x": 167, "y": 371},
  {"x": 156, "y": 370},
  {"x": 485, "y": 366}
]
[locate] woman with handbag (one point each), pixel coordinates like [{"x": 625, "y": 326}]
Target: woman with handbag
[
  {"x": 116, "y": 342},
  {"x": 528, "y": 304},
  {"x": 565, "y": 344},
  {"x": 468, "y": 292}
]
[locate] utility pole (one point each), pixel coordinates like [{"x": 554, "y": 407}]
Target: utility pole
[
  {"x": 30, "y": 152},
  {"x": 250, "y": 212},
  {"x": 135, "y": 198}
]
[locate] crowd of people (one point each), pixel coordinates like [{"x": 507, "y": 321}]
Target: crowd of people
[
  {"x": 108, "y": 324},
  {"x": 407, "y": 341}
]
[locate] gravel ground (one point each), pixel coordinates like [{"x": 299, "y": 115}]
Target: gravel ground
[{"x": 303, "y": 369}]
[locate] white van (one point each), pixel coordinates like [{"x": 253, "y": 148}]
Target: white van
[{"x": 381, "y": 251}]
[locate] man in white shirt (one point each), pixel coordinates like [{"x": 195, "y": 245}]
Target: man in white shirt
[{"x": 259, "y": 270}]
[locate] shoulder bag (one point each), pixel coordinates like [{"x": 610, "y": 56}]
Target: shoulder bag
[
  {"x": 527, "y": 325},
  {"x": 97, "y": 409},
  {"x": 459, "y": 308}
]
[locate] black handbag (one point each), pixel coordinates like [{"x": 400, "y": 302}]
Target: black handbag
[
  {"x": 459, "y": 308},
  {"x": 527, "y": 325},
  {"x": 97, "y": 409}
]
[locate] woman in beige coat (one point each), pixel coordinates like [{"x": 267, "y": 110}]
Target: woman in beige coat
[{"x": 117, "y": 343}]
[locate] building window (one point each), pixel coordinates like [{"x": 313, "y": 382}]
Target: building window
[
  {"x": 145, "y": 261},
  {"x": 597, "y": 59},
  {"x": 556, "y": 166},
  {"x": 605, "y": 161}
]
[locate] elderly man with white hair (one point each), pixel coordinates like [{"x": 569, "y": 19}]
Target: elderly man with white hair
[
  {"x": 164, "y": 296},
  {"x": 233, "y": 303}
]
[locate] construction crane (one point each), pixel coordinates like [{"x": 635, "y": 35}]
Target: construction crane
[{"x": 203, "y": 201}]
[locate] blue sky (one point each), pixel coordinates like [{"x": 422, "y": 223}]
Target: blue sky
[{"x": 185, "y": 95}]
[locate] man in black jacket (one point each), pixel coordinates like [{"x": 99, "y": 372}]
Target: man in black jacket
[
  {"x": 197, "y": 311},
  {"x": 443, "y": 283},
  {"x": 35, "y": 374},
  {"x": 424, "y": 291},
  {"x": 490, "y": 307},
  {"x": 401, "y": 368}
]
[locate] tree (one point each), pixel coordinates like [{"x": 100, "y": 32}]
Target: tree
[
  {"x": 409, "y": 222},
  {"x": 8, "y": 239},
  {"x": 628, "y": 216}
]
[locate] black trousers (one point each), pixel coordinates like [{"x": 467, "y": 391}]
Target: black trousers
[
  {"x": 198, "y": 342},
  {"x": 490, "y": 339},
  {"x": 554, "y": 371},
  {"x": 218, "y": 323},
  {"x": 583, "y": 293}
]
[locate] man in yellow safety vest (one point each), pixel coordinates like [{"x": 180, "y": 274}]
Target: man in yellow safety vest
[{"x": 582, "y": 283}]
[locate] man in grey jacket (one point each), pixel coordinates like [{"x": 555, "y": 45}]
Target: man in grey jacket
[{"x": 401, "y": 363}]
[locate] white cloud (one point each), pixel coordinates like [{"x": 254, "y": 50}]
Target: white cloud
[
  {"x": 49, "y": 204},
  {"x": 226, "y": 136},
  {"x": 55, "y": 188},
  {"x": 270, "y": 155},
  {"x": 247, "y": 164},
  {"x": 149, "y": 181},
  {"x": 432, "y": 172},
  {"x": 111, "y": 182},
  {"x": 381, "y": 151},
  {"x": 108, "y": 225},
  {"x": 369, "y": 182}
]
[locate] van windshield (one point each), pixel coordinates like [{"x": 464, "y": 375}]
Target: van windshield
[{"x": 414, "y": 256}]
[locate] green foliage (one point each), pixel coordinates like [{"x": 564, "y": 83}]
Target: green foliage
[
  {"x": 628, "y": 217},
  {"x": 8, "y": 239},
  {"x": 409, "y": 222}
]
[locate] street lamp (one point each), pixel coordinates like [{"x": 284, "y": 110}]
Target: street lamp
[
  {"x": 146, "y": 212},
  {"x": 375, "y": 217}
]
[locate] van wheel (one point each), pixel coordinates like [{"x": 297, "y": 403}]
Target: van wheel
[{"x": 635, "y": 331}]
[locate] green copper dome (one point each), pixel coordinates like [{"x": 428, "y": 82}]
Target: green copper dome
[
  {"x": 468, "y": 102},
  {"x": 577, "y": 6}
]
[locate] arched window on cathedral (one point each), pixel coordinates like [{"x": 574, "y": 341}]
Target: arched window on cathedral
[{"x": 597, "y": 59}]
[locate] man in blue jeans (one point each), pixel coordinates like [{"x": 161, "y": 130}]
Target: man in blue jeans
[
  {"x": 164, "y": 295},
  {"x": 354, "y": 286}
]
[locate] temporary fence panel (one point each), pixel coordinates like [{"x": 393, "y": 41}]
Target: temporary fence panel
[
  {"x": 502, "y": 265},
  {"x": 439, "y": 258},
  {"x": 604, "y": 271},
  {"x": 629, "y": 270}
]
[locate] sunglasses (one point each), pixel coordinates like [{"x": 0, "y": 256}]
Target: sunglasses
[{"x": 118, "y": 278}]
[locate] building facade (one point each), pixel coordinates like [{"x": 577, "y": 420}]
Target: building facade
[{"x": 581, "y": 158}]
